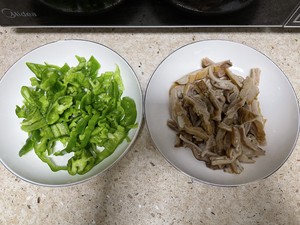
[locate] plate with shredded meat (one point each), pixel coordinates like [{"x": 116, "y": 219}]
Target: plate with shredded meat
[{"x": 222, "y": 113}]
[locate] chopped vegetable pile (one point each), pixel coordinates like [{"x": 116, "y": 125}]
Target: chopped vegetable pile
[{"x": 79, "y": 108}]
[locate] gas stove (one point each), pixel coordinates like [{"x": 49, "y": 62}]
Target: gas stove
[{"x": 151, "y": 13}]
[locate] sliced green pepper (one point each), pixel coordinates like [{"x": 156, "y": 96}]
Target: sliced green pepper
[
  {"x": 58, "y": 108},
  {"x": 77, "y": 107},
  {"x": 130, "y": 112},
  {"x": 82, "y": 162},
  {"x": 40, "y": 148}
]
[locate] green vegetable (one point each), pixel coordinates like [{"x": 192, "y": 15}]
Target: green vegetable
[
  {"x": 77, "y": 107},
  {"x": 130, "y": 112}
]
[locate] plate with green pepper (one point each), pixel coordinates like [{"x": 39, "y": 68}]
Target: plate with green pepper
[{"x": 70, "y": 110}]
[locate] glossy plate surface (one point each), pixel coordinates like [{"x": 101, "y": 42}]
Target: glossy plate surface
[
  {"x": 278, "y": 102},
  {"x": 12, "y": 138}
]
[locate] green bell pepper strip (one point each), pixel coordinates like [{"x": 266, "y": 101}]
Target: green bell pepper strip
[
  {"x": 58, "y": 107},
  {"x": 49, "y": 79},
  {"x": 82, "y": 162},
  {"x": 130, "y": 112},
  {"x": 37, "y": 69},
  {"x": 71, "y": 146},
  {"x": 115, "y": 139},
  {"x": 93, "y": 66},
  {"x": 39, "y": 150},
  {"x": 27, "y": 147},
  {"x": 88, "y": 130},
  {"x": 34, "y": 126},
  {"x": 86, "y": 100},
  {"x": 59, "y": 130},
  {"x": 31, "y": 96},
  {"x": 30, "y": 142},
  {"x": 102, "y": 155}
]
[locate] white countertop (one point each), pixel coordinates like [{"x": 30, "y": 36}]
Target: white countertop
[{"x": 143, "y": 188}]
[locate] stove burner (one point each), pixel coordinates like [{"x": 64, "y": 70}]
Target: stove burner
[
  {"x": 211, "y": 7},
  {"x": 81, "y": 6}
]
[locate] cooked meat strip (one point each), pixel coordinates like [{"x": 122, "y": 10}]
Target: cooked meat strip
[{"x": 216, "y": 114}]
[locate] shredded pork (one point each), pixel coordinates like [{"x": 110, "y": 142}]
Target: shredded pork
[{"x": 216, "y": 114}]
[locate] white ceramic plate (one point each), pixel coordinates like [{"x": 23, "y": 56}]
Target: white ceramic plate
[
  {"x": 279, "y": 106},
  {"x": 12, "y": 138}
]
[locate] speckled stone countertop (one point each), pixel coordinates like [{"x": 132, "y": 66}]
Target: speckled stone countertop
[{"x": 143, "y": 188}]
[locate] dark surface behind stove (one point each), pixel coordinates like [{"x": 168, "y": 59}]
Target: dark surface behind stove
[{"x": 146, "y": 13}]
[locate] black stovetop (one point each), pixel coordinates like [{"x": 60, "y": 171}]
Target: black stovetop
[{"x": 151, "y": 13}]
